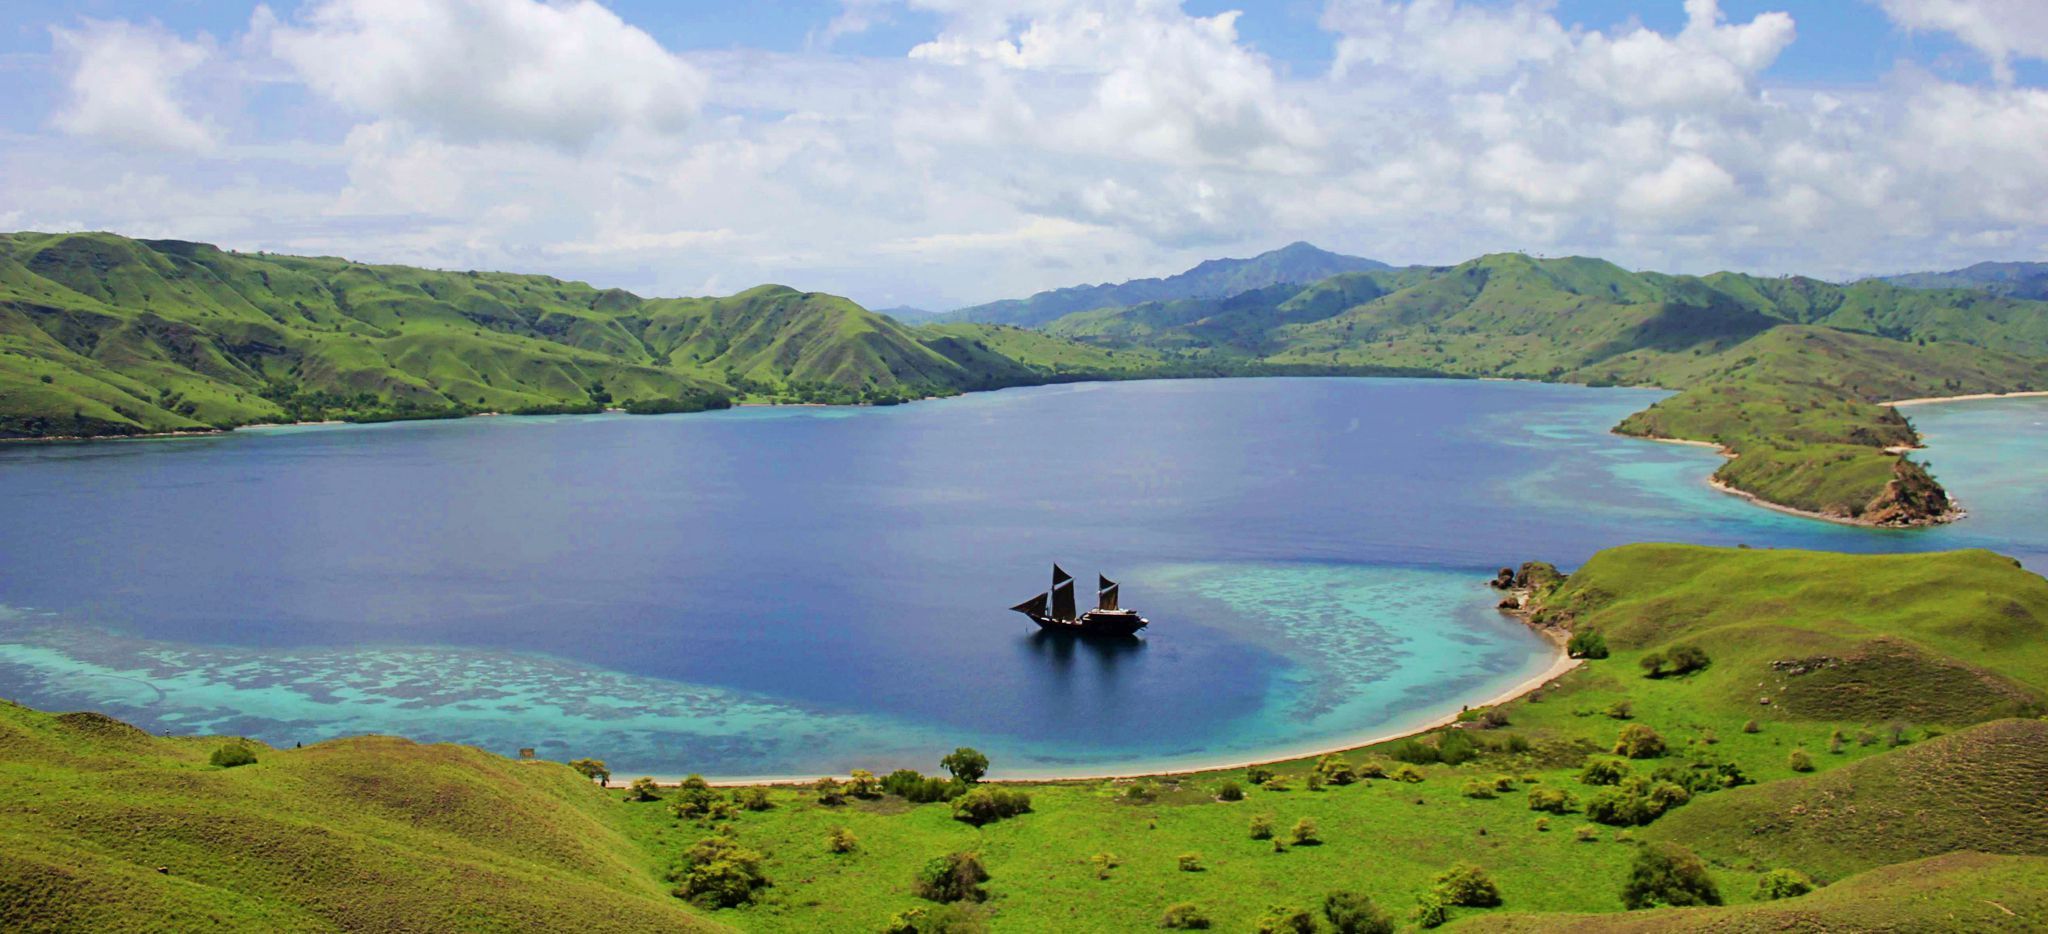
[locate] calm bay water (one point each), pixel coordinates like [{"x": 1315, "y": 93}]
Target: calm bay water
[{"x": 778, "y": 591}]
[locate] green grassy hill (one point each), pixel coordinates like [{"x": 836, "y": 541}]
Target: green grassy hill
[
  {"x": 104, "y": 335},
  {"x": 106, "y": 828},
  {"x": 1296, "y": 263},
  {"x": 1915, "y": 661}
]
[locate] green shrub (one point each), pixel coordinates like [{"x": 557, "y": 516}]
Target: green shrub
[
  {"x": 1586, "y": 833},
  {"x": 863, "y": 784},
  {"x": 1668, "y": 874},
  {"x": 1287, "y": 921},
  {"x": 1603, "y": 772},
  {"x": 231, "y": 756},
  {"x": 830, "y": 792},
  {"x": 1638, "y": 741},
  {"x": 694, "y": 798},
  {"x": 1230, "y": 791},
  {"x": 1185, "y": 916},
  {"x": 1416, "y": 753},
  {"x": 1336, "y": 770},
  {"x": 1652, "y": 664},
  {"x": 1782, "y": 883},
  {"x": 1702, "y": 774},
  {"x": 920, "y": 789},
  {"x": 1373, "y": 768},
  {"x": 592, "y": 769},
  {"x": 1543, "y": 825},
  {"x": 1621, "y": 710},
  {"x": 1552, "y": 800},
  {"x": 954, "y": 877},
  {"x": 986, "y": 805},
  {"x": 752, "y": 799},
  {"x": 719, "y": 873},
  {"x": 1257, "y": 775},
  {"x": 1262, "y": 827},
  {"x": 1799, "y": 760},
  {"x": 1315, "y": 781},
  {"x": 1304, "y": 833},
  {"x": 1686, "y": 659},
  {"x": 1431, "y": 910},
  {"x": 967, "y": 765},
  {"x": 1503, "y": 783},
  {"x": 1637, "y": 800},
  {"x": 938, "y": 919},
  {"x": 1277, "y": 783},
  {"x": 1355, "y": 913},
  {"x": 642, "y": 789},
  {"x": 1405, "y": 773},
  {"x": 841, "y": 840},
  {"x": 1189, "y": 862},
  {"x": 1103, "y": 863},
  {"x": 1478, "y": 788},
  {"x": 1455, "y": 747},
  {"x": 1751, "y": 726},
  {"x": 1141, "y": 791},
  {"x": 1586, "y": 645},
  {"x": 1467, "y": 885}
]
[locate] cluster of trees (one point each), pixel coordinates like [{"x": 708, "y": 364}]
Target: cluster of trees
[{"x": 1683, "y": 659}]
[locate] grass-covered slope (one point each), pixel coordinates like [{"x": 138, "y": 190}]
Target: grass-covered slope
[
  {"x": 106, "y": 828},
  {"x": 1955, "y": 892},
  {"x": 1296, "y": 263},
  {"x": 104, "y": 335},
  {"x": 1973, "y": 791},
  {"x": 1949, "y": 638}
]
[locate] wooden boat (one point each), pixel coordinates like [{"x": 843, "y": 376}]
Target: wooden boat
[{"x": 1054, "y": 610}]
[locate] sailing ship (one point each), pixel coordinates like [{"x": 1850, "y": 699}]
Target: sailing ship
[{"x": 1054, "y": 610}]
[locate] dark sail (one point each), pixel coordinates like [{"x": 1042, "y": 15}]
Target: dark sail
[
  {"x": 1105, "y": 593},
  {"x": 1034, "y": 607},
  {"x": 1062, "y": 594}
]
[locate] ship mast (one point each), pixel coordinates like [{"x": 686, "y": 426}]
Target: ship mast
[
  {"x": 1105, "y": 593},
  {"x": 1062, "y": 594}
]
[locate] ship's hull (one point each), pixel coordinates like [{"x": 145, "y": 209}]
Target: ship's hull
[{"x": 1108, "y": 623}]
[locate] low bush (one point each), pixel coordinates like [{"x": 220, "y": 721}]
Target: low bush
[
  {"x": 1262, "y": 827},
  {"x": 985, "y": 805},
  {"x": 1258, "y": 775},
  {"x": 1621, "y": 710},
  {"x": 1636, "y": 801},
  {"x": 642, "y": 789},
  {"x": 1552, "y": 800},
  {"x": 1189, "y": 862},
  {"x": 1638, "y": 741},
  {"x": 694, "y": 798},
  {"x": 920, "y": 789},
  {"x": 1455, "y": 747},
  {"x": 830, "y": 792},
  {"x": 1185, "y": 916},
  {"x": 1415, "y": 752},
  {"x": 1431, "y": 911},
  {"x": 1230, "y": 791},
  {"x": 752, "y": 799},
  {"x": 1103, "y": 863},
  {"x": 1586, "y": 645},
  {"x": 1141, "y": 791},
  {"x": 1799, "y": 760},
  {"x": 955, "y": 877},
  {"x": 939, "y": 919},
  {"x": 1304, "y": 833},
  {"x": 1287, "y": 921},
  {"x": 1405, "y": 773},
  {"x": 1336, "y": 770},
  {"x": 1467, "y": 886},
  {"x": 863, "y": 784},
  {"x": 1586, "y": 833},
  {"x": 1686, "y": 659},
  {"x": 1702, "y": 774},
  {"x": 1373, "y": 768},
  {"x": 1751, "y": 726},
  {"x": 1355, "y": 913},
  {"x": 1598, "y": 771},
  {"x": 841, "y": 840},
  {"x": 232, "y": 755},
  {"x": 1668, "y": 874},
  {"x": 1782, "y": 883},
  {"x": 1543, "y": 825},
  {"x": 1478, "y": 788},
  {"x": 717, "y": 872}
]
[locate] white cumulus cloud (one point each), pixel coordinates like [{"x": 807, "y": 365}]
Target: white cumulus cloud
[
  {"x": 122, "y": 86},
  {"x": 2001, "y": 29},
  {"x": 563, "y": 73}
]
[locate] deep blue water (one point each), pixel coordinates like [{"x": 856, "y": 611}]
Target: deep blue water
[{"x": 773, "y": 591}]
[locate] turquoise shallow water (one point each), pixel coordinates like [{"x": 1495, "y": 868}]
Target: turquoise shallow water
[{"x": 791, "y": 591}]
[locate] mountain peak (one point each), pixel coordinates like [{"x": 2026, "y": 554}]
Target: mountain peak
[{"x": 1297, "y": 263}]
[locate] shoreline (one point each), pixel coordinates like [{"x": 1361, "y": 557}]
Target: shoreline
[
  {"x": 1953, "y": 514},
  {"x": 1560, "y": 665},
  {"x": 1973, "y": 397}
]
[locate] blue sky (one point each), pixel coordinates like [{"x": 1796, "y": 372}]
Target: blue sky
[{"x": 940, "y": 152}]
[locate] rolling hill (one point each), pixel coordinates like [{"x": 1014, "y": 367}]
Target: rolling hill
[
  {"x": 1295, "y": 263},
  {"x": 2019, "y": 280}
]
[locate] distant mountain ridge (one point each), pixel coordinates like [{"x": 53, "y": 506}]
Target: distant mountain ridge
[
  {"x": 2018, "y": 280},
  {"x": 1297, "y": 263}
]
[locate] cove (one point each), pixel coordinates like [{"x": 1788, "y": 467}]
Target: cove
[{"x": 802, "y": 590}]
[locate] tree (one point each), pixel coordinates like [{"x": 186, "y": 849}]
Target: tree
[
  {"x": 1638, "y": 741},
  {"x": 1467, "y": 885},
  {"x": 231, "y": 756},
  {"x": 940, "y": 919},
  {"x": 592, "y": 769},
  {"x": 987, "y": 805},
  {"x": 1280, "y": 920},
  {"x": 753, "y": 799},
  {"x": 830, "y": 794},
  {"x": 1552, "y": 800},
  {"x": 1185, "y": 916},
  {"x": 862, "y": 784},
  {"x": 1782, "y": 883},
  {"x": 1686, "y": 659},
  {"x": 694, "y": 798},
  {"x": 1653, "y": 665},
  {"x": 642, "y": 789},
  {"x": 1668, "y": 874},
  {"x": 951, "y": 878},
  {"x": 967, "y": 765},
  {"x": 1262, "y": 827},
  {"x": 1603, "y": 772},
  {"x": 719, "y": 873},
  {"x": 1336, "y": 770},
  {"x": 841, "y": 840},
  {"x": 1355, "y": 913},
  {"x": 1304, "y": 833},
  {"x": 1586, "y": 645}
]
